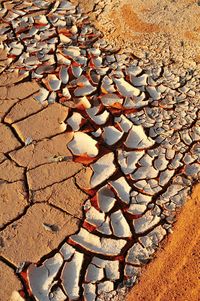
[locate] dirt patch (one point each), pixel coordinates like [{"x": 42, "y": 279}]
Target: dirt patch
[
  {"x": 157, "y": 29},
  {"x": 173, "y": 274},
  {"x": 8, "y": 288}
]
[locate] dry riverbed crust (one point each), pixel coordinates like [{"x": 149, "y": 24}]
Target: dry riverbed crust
[{"x": 99, "y": 150}]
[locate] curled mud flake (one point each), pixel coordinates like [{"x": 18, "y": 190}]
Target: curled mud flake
[
  {"x": 63, "y": 75},
  {"x": 125, "y": 89},
  {"x": 72, "y": 51},
  {"x": 151, "y": 240},
  {"x": 105, "y": 227},
  {"x": 128, "y": 160},
  {"x": 76, "y": 70},
  {"x": 153, "y": 92},
  {"x": 138, "y": 255},
  {"x": 119, "y": 225},
  {"x": 82, "y": 144},
  {"x": 165, "y": 176},
  {"x": 75, "y": 121},
  {"x": 84, "y": 87},
  {"x": 64, "y": 39},
  {"x": 138, "y": 139},
  {"x": 57, "y": 295},
  {"x": 107, "y": 85},
  {"x": 105, "y": 287},
  {"x": 111, "y": 135},
  {"x": 146, "y": 222},
  {"x": 136, "y": 102},
  {"x": 41, "y": 278},
  {"x": 42, "y": 95},
  {"x": 99, "y": 119},
  {"x": 89, "y": 292},
  {"x": 95, "y": 244},
  {"x": 52, "y": 97},
  {"x": 139, "y": 81},
  {"x": 67, "y": 251},
  {"x": 111, "y": 100},
  {"x": 137, "y": 209},
  {"x": 52, "y": 82},
  {"x": 106, "y": 199},
  {"x": 94, "y": 217},
  {"x": 122, "y": 189},
  {"x": 71, "y": 275},
  {"x": 103, "y": 169},
  {"x": 124, "y": 123},
  {"x": 94, "y": 273},
  {"x": 62, "y": 60},
  {"x": 66, "y": 94},
  {"x": 193, "y": 170},
  {"x": 131, "y": 273},
  {"x": 82, "y": 103},
  {"x": 144, "y": 172}
]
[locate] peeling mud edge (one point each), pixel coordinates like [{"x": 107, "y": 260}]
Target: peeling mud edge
[
  {"x": 123, "y": 291},
  {"x": 122, "y": 287}
]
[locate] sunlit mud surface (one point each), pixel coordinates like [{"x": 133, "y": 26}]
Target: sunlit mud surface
[{"x": 100, "y": 150}]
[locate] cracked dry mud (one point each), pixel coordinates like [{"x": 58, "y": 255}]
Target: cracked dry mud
[{"x": 99, "y": 150}]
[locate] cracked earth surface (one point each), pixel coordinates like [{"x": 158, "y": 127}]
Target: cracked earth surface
[{"x": 99, "y": 150}]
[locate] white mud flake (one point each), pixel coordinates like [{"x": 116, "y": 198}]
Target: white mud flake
[
  {"x": 105, "y": 227},
  {"x": 71, "y": 275},
  {"x": 67, "y": 251},
  {"x": 153, "y": 92},
  {"x": 98, "y": 118},
  {"x": 138, "y": 81},
  {"x": 103, "y": 168},
  {"x": 52, "y": 82},
  {"x": 138, "y": 139},
  {"x": 84, "y": 87},
  {"x": 111, "y": 100},
  {"x": 111, "y": 135},
  {"x": 128, "y": 160},
  {"x": 57, "y": 295},
  {"x": 138, "y": 255},
  {"x": 94, "y": 217},
  {"x": 106, "y": 199},
  {"x": 94, "y": 273},
  {"x": 152, "y": 239},
  {"x": 105, "y": 287},
  {"x": 119, "y": 225},
  {"x": 41, "y": 278},
  {"x": 42, "y": 95},
  {"x": 144, "y": 172},
  {"x": 125, "y": 89},
  {"x": 89, "y": 292},
  {"x": 122, "y": 189},
  {"x": 83, "y": 144},
  {"x": 124, "y": 123},
  {"x": 75, "y": 121},
  {"x": 63, "y": 75},
  {"x": 146, "y": 222},
  {"x": 95, "y": 244}
]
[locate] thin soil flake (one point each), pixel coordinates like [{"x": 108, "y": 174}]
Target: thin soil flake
[{"x": 100, "y": 153}]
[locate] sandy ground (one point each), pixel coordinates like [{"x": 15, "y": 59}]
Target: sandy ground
[
  {"x": 167, "y": 30},
  {"x": 174, "y": 273}
]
